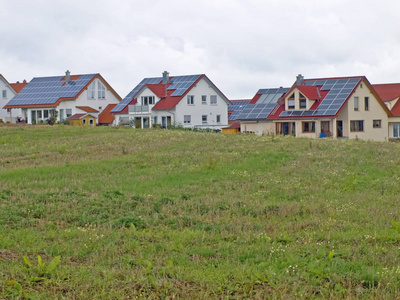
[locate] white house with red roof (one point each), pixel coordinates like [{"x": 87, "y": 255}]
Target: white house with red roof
[
  {"x": 187, "y": 101},
  {"x": 63, "y": 96},
  {"x": 344, "y": 107},
  {"x": 390, "y": 94},
  {"x": 8, "y": 91}
]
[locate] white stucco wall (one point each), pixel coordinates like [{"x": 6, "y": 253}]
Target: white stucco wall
[{"x": 4, "y": 114}]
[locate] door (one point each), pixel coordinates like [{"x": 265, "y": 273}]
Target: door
[{"x": 339, "y": 125}]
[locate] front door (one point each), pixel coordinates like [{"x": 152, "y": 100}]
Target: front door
[{"x": 339, "y": 125}]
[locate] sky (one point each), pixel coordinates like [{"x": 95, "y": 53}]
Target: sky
[{"x": 241, "y": 46}]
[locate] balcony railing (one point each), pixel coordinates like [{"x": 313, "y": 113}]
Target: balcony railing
[{"x": 138, "y": 109}]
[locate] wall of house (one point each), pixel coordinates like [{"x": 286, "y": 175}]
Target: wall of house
[
  {"x": 393, "y": 121},
  {"x": 259, "y": 128},
  {"x": 198, "y": 109},
  {"x": 375, "y": 112},
  {"x": 4, "y": 114}
]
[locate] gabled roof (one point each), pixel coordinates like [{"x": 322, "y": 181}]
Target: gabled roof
[
  {"x": 105, "y": 117},
  {"x": 7, "y": 83},
  {"x": 177, "y": 89},
  {"x": 18, "y": 86},
  {"x": 311, "y": 92},
  {"x": 87, "y": 109},
  {"x": 262, "y": 104},
  {"x": 388, "y": 91},
  {"x": 335, "y": 92},
  {"x": 80, "y": 116},
  {"x": 50, "y": 91}
]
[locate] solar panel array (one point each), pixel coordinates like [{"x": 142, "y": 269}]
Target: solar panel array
[
  {"x": 178, "y": 83},
  {"x": 48, "y": 90},
  {"x": 265, "y": 104},
  {"x": 237, "y": 107},
  {"x": 124, "y": 102},
  {"x": 181, "y": 83},
  {"x": 339, "y": 91}
]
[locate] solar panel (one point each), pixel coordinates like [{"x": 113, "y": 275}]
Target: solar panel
[
  {"x": 237, "y": 107},
  {"x": 48, "y": 90},
  {"x": 264, "y": 105},
  {"x": 338, "y": 91}
]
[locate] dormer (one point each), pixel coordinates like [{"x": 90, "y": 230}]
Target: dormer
[{"x": 302, "y": 97}]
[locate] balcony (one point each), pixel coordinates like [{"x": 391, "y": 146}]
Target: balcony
[{"x": 139, "y": 109}]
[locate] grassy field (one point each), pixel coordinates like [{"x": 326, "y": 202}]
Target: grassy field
[{"x": 114, "y": 213}]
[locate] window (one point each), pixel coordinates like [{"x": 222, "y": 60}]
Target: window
[
  {"x": 68, "y": 112},
  {"x": 303, "y": 101},
  {"x": 147, "y": 100},
  {"x": 187, "y": 119},
  {"x": 91, "y": 122},
  {"x": 91, "y": 93},
  {"x": 213, "y": 100},
  {"x": 204, "y": 99},
  {"x": 291, "y": 102},
  {"x": 396, "y": 130},
  {"x": 356, "y": 126},
  {"x": 190, "y": 100},
  {"x": 45, "y": 114},
  {"x": 4, "y": 94},
  {"x": 308, "y": 127},
  {"x": 366, "y": 103},
  {"x": 83, "y": 121},
  {"x": 218, "y": 118},
  {"x": 355, "y": 103},
  {"x": 155, "y": 120},
  {"x": 101, "y": 90},
  {"x": 204, "y": 119},
  {"x": 377, "y": 123}
]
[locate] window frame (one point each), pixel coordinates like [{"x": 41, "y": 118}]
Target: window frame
[
  {"x": 376, "y": 123},
  {"x": 204, "y": 119},
  {"x": 204, "y": 99},
  {"x": 356, "y": 103},
  {"x": 67, "y": 115},
  {"x": 355, "y": 126},
  {"x": 101, "y": 90},
  {"x": 190, "y": 99},
  {"x": 396, "y": 127},
  {"x": 366, "y": 103},
  {"x": 308, "y": 126},
  {"x": 218, "y": 119},
  {"x": 187, "y": 119},
  {"x": 91, "y": 91},
  {"x": 213, "y": 100},
  {"x": 4, "y": 94},
  {"x": 302, "y": 101}
]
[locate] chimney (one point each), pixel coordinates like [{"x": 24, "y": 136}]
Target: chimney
[
  {"x": 165, "y": 79},
  {"x": 299, "y": 79},
  {"x": 24, "y": 81},
  {"x": 67, "y": 76}
]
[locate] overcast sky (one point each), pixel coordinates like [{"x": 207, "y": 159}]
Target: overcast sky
[{"x": 241, "y": 46}]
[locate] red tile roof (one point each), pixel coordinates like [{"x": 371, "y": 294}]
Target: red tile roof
[
  {"x": 396, "y": 109},
  {"x": 387, "y": 92},
  {"x": 255, "y": 98},
  {"x": 18, "y": 86},
  {"x": 158, "y": 89},
  {"x": 87, "y": 109},
  {"x": 105, "y": 117},
  {"x": 310, "y": 91},
  {"x": 76, "y": 116}
]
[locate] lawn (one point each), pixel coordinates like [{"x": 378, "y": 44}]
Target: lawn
[{"x": 117, "y": 213}]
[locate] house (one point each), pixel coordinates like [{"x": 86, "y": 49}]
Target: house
[
  {"x": 390, "y": 94},
  {"x": 253, "y": 118},
  {"x": 62, "y": 96},
  {"x": 187, "y": 101},
  {"x": 85, "y": 116},
  {"x": 342, "y": 107},
  {"x": 8, "y": 91}
]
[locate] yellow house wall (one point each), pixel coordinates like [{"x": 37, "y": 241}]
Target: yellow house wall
[
  {"x": 296, "y": 92},
  {"x": 259, "y": 128},
  {"x": 76, "y": 122},
  {"x": 87, "y": 118},
  {"x": 375, "y": 112}
]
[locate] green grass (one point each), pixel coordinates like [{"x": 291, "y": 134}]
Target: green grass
[{"x": 164, "y": 214}]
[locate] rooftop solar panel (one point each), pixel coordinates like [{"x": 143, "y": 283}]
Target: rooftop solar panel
[{"x": 48, "y": 90}]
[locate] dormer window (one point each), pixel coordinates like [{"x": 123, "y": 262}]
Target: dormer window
[
  {"x": 291, "y": 103},
  {"x": 303, "y": 101},
  {"x": 148, "y": 100}
]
